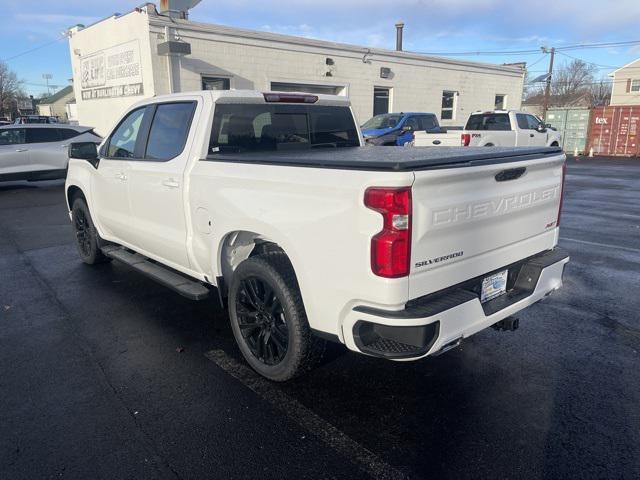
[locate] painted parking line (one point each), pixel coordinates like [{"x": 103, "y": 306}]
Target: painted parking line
[
  {"x": 597, "y": 244},
  {"x": 305, "y": 418}
]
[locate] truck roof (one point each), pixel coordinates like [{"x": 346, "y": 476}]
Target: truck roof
[
  {"x": 247, "y": 96},
  {"x": 390, "y": 159}
]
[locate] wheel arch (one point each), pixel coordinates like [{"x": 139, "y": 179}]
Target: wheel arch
[
  {"x": 238, "y": 245},
  {"x": 72, "y": 192}
]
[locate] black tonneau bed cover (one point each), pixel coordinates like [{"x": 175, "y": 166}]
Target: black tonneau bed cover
[{"x": 389, "y": 158}]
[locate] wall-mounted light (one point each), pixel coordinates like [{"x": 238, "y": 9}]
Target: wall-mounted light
[
  {"x": 329, "y": 61},
  {"x": 385, "y": 72}
]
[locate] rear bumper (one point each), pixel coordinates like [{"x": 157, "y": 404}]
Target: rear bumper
[{"x": 430, "y": 324}]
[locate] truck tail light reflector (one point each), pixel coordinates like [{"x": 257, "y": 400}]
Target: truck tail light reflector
[
  {"x": 391, "y": 247},
  {"x": 289, "y": 98},
  {"x": 564, "y": 174},
  {"x": 465, "y": 139}
]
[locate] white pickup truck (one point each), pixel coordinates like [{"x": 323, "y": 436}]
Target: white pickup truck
[
  {"x": 500, "y": 128},
  {"x": 310, "y": 236}
]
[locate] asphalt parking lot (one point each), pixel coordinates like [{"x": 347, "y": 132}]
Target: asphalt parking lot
[{"x": 104, "y": 374}]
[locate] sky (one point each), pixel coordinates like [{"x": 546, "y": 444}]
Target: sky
[{"x": 32, "y": 41}]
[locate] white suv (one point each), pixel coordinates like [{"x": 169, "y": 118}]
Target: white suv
[{"x": 39, "y": 151}]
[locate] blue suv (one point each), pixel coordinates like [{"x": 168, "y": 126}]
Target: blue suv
[{"x": 397, "y": 128}]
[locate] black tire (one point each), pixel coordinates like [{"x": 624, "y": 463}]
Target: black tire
[
  {"x": 268, "y": 318},
  {"x": 86, "y": 234},
  {"x": 554, "y": 144}
]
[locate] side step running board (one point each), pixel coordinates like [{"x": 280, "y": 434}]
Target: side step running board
[{"x": 185, "y": 286}]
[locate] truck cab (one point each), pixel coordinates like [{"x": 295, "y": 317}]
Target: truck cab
[
  {"x": 508, "y": 128},
  {"x": 396, "y": 129}
]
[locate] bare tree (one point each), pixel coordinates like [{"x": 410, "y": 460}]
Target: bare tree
[
  {"x": 10, "y": 89},
  {"x": 572, "y": 78},
  {"x": 600, "y": 93}
]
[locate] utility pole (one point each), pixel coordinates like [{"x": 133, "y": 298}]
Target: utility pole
[
  {"x": 47, "y": 77},
  {"x": 547, "y": 88}
]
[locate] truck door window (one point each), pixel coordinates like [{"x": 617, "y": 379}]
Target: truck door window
[
  {"x": 122, "y": 143},
  {"x": 533, "y": 122},
  {"x": 523, "y": 123},
  {"x": 169, "y": 130},
  {"x": 413, "y": 123}
]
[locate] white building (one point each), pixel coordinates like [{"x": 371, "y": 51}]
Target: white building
[
  {"x": 122, "y": 59},
  {"x": 626, "y": 84}
]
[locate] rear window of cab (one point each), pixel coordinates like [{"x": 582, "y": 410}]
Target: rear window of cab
[
  {"x": 264, "y": 127},
  {"x": 489, "y": 121}
]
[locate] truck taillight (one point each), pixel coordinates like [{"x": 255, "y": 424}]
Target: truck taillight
[
  {"x": 465, "y": 139},
  {"x": 289, "y": 98},
  {"x": 564, "y": 174},
  {"x": 391, "y": 247}
]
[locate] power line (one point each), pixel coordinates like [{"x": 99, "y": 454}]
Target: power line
[
  {"x": 587, "y": 61},
  {"x": 33, "y": 49},
  {"x": 579, "y": 46}
]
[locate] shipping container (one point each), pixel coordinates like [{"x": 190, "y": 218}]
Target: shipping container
[
  {"x": 573, "y": 125},
  {"x": 615, "y": 131}
]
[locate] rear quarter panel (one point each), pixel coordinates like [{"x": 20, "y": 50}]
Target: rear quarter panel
[{"x": 318, "y": 218}]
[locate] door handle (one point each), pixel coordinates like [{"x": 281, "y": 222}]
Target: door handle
[
  {"x": 170, "y": 183},
  {"x": 531, "y": 135},
  {"x": 121, "y": 176},
  {"x": 22, "y": 150},
  {"x": 64, "y": 146}
]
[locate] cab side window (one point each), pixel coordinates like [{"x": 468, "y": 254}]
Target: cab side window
[
  {"x": 122, "y": 143},
  {"x": 523, "y": 123},
  {"x": 413, "y": 123},
  {"x": 12, "y": 136},
  {"x": 42, "y": 135},
  {"x": 534, "y": 123},
  {"x": 169, "y": 130}
]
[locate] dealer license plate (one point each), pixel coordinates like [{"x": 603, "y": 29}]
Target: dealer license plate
[{"x": 494, "y": 285}]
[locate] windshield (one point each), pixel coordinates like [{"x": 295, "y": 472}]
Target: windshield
[
  {"x": 386, "y": 120},
  {"x": 256, "y": 128}
]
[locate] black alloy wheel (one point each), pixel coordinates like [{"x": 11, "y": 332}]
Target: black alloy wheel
[
  {"x": 83, "y": 232},
  {"x": 268, "y": 318},
  {"x": 262, "y": 321}
]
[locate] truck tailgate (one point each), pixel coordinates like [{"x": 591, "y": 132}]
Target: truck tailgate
[
  {"x": 474, "y": 220},
  {"x": 424, "y": 139}
]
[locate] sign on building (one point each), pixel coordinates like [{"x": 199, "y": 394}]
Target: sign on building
[
  {"x": 113, "y": 72},
  {"x": 25, "y": 104}
]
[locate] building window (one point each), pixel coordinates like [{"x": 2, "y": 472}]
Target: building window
[
  {"x": 448, "y": 105},
  {"x": 215, "y": 83},
  {"x": 500, "y": 102},
  {"x": 635, "y": 85},
  {"x": 380, "y": 101}
]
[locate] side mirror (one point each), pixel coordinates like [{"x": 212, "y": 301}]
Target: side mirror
[
  {"x": 541, "y": 128},
  {"x": 85, "y": 151},
  {"x": 407, "y": 128}
]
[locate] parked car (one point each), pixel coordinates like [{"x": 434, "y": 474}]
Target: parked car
[
  {"x": 38, "y": 152},
  {"x": 502, "y": 128},
  {"x": 396, "y": 129},
  {"x": 26, "y": 119},
  {"x": 4, "y": 121},
  {"x": 307, "y": 235}
]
